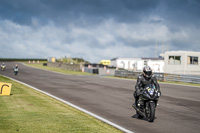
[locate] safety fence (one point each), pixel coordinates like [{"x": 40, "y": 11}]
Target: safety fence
[
  {"x": 182, "y": 78},
  {"x": 161, "y": 76}
]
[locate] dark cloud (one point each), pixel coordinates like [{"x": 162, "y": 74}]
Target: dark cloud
[
  {"x": 93, "y": 11},
  {"x": 180, "y": 13},
  {"x": 112, "y": 27},
  {"x": 128, "y": 10},
  {"x": 21, "y": 11}
]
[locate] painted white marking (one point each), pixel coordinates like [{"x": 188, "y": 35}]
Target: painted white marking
[{"x": 70, "y": 104}]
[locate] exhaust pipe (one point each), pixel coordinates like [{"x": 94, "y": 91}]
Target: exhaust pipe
[{"x": 141, "y": 113}]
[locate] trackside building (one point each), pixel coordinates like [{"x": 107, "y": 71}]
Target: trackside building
[
  {"x": 182, "y": 62},
  {"x": 137, "y": 64}
]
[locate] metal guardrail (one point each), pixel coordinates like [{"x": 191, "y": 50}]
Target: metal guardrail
[
  {"x": 182, "y": 78},
  {"x": 126, "y": 74},
  {"x": 161, "y": 76}
]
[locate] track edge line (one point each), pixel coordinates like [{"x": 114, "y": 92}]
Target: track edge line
[{"x": 74, "y": 106}]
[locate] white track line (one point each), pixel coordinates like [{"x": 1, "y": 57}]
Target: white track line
[{"x": 70, "y": 104}]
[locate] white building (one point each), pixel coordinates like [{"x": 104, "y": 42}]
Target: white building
[
  {"x": 182, "y": 62},
  {"x": 124, "y": 63},
  {"x": 156, "y": 64},
  {"x": 137, "y": 64}
]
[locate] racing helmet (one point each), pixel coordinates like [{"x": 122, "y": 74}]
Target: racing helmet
[{"x": 147, "y": 72}]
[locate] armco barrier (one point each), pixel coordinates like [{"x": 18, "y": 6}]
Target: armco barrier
[
  {"x": 100, "y": 71},
  {"x": 161, "y": 76},
  {"x": 91, "y": 70},
  {"x": 182, "y": 78},
  {"x": 126, "y": 74},
  {"x": 134, "y": 75}
]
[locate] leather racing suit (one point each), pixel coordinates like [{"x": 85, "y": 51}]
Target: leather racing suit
[{"x": 141, "y": 83}]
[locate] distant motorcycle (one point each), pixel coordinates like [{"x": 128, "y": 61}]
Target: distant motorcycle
[
  {"x": 3, "y": 68},
  {"x": 147, "y": 103},
  {"x": 15, "y": 71}
]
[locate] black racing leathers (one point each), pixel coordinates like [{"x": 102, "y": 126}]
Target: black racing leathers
[{"x": 142, "y": 82}]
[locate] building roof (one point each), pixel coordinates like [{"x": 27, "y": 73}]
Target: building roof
[
  {"x": 152, "y": 58},
  {"x": 125, "y": 59},
  {"x": 114, "y": 59},
  {"x": 181, "y": 51},
  {"x": 144, "y": 58}
]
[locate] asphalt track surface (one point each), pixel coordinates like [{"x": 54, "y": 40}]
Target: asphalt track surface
[{"x": 178, "y": 110}]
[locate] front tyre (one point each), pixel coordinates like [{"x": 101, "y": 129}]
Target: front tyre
[{"x": 150, "y": 111}]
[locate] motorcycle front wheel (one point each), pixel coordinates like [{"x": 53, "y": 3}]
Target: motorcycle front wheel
[{"x": 150, "y": 111}]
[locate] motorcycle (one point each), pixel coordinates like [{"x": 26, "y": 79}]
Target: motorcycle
[
  {"x": 3, "y": 68},
  {"x": 147, "y": 103},
  {"x": 15, "y": 71}
]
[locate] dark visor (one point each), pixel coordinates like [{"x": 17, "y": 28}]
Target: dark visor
[{"x": 148, "y": 73}]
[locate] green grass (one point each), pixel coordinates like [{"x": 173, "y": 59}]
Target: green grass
[
  {"x": 40, "y": 65},
  {"x": 27, "y": 110}
]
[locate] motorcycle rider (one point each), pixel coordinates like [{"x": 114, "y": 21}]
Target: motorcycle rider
[
  {"x": 16, "y": 66},
  {"x": 3, "y": 65},
  {"x": 16, "y": 69},
  {"x": 144, "y": 79}
]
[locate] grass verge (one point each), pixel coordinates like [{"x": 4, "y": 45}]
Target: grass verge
[
  {"x": 40, "y": 65},
  {"x": 27, "y": 110}
]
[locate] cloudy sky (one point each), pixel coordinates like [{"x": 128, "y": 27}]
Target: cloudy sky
[{"x": 97, "y": 29}]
